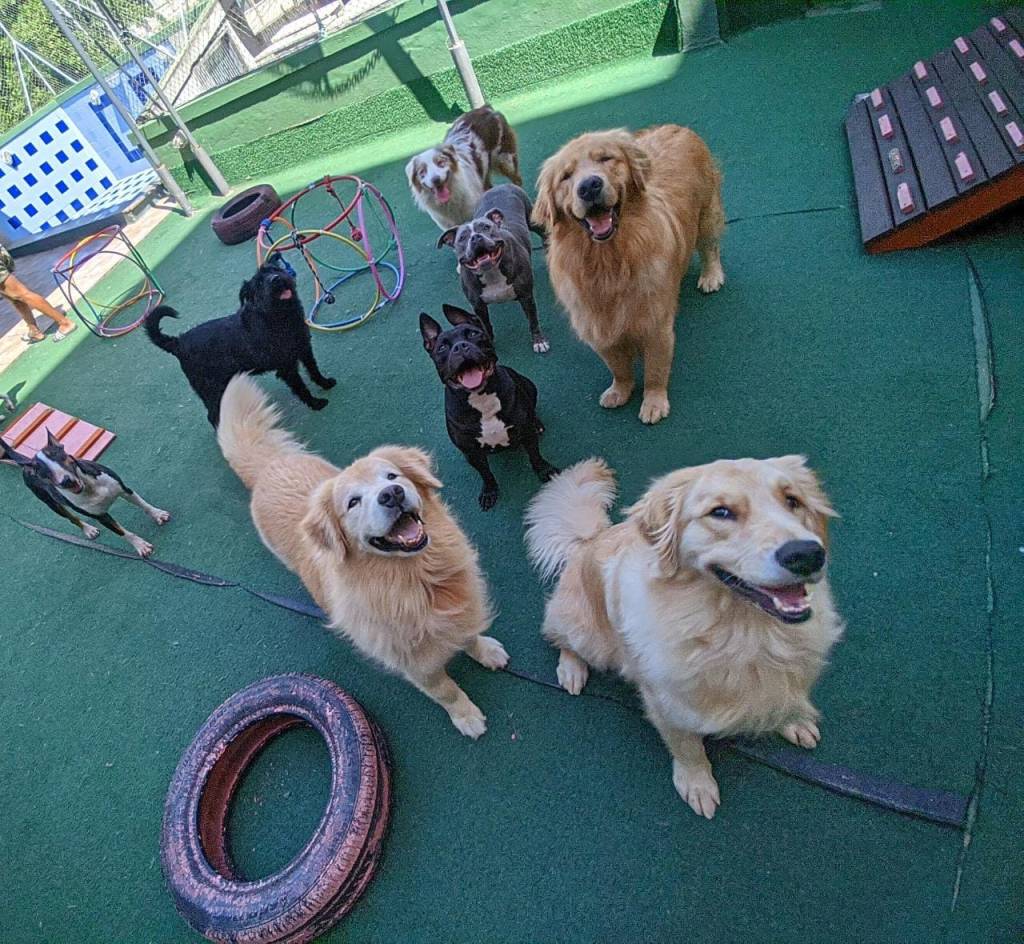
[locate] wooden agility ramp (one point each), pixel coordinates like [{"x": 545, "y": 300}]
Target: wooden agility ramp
[
  {"x": 27, "y": 434},
  {"x": 942, "y": 145}
]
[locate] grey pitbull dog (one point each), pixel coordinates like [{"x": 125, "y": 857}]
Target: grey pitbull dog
[{"x": 493, "y": 250}]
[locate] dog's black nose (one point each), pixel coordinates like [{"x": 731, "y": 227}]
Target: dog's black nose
[
  {"x": 802, "y": 558},
  {"x": 460, "y": 347},
  {"x": 392, "y": 496},
  {"x": 590, "y": 189}
]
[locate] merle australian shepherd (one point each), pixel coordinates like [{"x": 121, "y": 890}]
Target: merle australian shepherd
[
  {"x": 268, "y": 332},
  {"x": 448, "y": 181}
]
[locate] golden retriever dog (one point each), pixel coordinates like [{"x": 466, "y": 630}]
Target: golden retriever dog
[
  {"x": 624, "y": 213},
  {"x": 710, "y": 596},
  {"x": 374, "y": 545}
]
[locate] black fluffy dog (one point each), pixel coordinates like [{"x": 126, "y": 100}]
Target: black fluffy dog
[
  {"x": 487, "y": 407},
  {"x": 268, "y": 332}
]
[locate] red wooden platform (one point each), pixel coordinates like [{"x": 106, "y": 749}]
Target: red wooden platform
[
  {"x": 942, "y": 145},
  {"x": 27, "y": 434}
]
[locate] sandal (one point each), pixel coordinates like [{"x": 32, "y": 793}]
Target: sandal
[
  {"x": 60, "y": 334},
  {"x": 33, "y": 339}
]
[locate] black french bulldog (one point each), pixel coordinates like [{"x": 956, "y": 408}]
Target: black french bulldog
[{"x": 487, "y": 407}]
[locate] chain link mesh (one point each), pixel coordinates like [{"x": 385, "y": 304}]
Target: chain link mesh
[{"x": 189, "y": 46}]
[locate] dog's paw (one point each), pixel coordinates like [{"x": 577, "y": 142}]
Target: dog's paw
[
  {"x": 572, "y": 672},
  {"x": 329, "y": 383},
  {"x": 160, "y": 516},
  {"x": 318, "y": 403},
  {"x": 803, "y": 733},
  {"x": 541, "y": 345},
  {"x": 488, "y": 498},
  {"x": 490, "y": 653},
  {"x": 471, "y": 721},
  {"x": 698, "y": 788},
  {"x": 654, "y": 408},
  {"x": 142, "y": 547},
  {"x": 615, "y": 396},
  {"x": 90, "y": 532},
  {"x": 547, "y": 472},
  {"x": 711, "y": 280}
]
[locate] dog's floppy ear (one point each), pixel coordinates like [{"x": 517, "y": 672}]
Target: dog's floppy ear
[
  {"x": 496, "y": 217},
  {"x": 638, "y": 162},
  {"x": 447, "y": 238},
  {"x": 415, "y": 464},
  {"x": 658, "y": 515},
  {"x": 808, "y": 489},
  {"x": 430, "y": 330},
  {"x": 458, "y": 316},
  {"x": 246, "y": 292},
  {"x": 545, "y": 213},
  {"x": 412, "y": 171},
  {"x": 322, "y": 525}
]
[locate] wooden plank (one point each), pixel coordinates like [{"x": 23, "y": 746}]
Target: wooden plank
[
  {"x": 896, "y": 180},
  {"x": 936, "y": 116},
  {"x": 967, "y": 208},
  {"x": 1012, "y": 39},
  {"x": 988, "y": 142},
  {"x": 872, "y": 195},
  {"x": 27, "y": 433},
  {"x": 1006, "y": 86},
  {"x": 928, "y": 156}
]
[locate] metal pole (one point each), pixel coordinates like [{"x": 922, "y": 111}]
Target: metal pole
[
  {"x": 170, "y": 184},
  {"x": 461, "y": 58},
  {"x": 220, "y": 185}
]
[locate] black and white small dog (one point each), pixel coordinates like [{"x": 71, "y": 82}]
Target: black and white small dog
[
  {"x": 487, "y": 407},
  {"x": 493, "y": 250},
  {"x": 268, "y": 332},
  {"x": 73, "y": 487}
]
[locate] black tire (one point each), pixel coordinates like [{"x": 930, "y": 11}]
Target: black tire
[
  {"x": 322, "y": 883},
  {"x": 239, "y": 219}
]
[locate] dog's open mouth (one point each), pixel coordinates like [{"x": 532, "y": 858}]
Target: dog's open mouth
[
  {"x": 72, "y": 485},
  {"x": 485, "y": 259},
  {"x": 286, "y": 294},
  {"x": 601, "y": 222},
  {"x": 442, "y": 194},
  {"x": 790, "y": 603},
  {"x": 475, "y": 376},
  {"x": 407, "y": 535}
]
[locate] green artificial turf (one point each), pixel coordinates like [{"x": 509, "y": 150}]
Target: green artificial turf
[{"x": 561, "y": 824}]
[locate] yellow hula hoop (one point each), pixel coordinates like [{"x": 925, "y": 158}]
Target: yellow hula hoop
[{"x": 287, "y": 241}]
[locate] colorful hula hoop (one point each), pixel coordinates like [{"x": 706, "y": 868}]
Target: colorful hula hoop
[
  {"x": 353, "y": 214},
  {"x": 96, "y": 315}
]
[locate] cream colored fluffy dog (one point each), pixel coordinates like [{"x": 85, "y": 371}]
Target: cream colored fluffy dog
[
  {"x": 711, "y": 597},
  {"x": 374, "y": 545},
  {"x": 624, "y": 213}
]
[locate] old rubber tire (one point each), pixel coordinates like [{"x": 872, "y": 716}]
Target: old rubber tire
[
  {"x": 321, "y": 884},
  {"x": 239, "y": 219}
]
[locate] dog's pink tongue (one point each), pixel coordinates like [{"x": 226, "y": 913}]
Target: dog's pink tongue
[
  {"x": 601, "y": 225},
  {"x": 442, "y": 193},
  {"x": 407, "y": 531},
  {"x": 792, "y": 596},
  {"x": 285, "y": 295},
  {"x": 472, "y": 378}
]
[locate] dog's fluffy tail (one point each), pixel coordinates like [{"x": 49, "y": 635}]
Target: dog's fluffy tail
[
  {"x": 248, "y": 433},
  {"x": 161, "y": 340},
  {"x": 571, "y": 508}
]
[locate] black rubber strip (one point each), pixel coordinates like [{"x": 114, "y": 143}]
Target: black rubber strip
[
  {"x": 943, "y": 807},
  {"x": 287, "y": 603},
  {"x": 937, "y": 806}
]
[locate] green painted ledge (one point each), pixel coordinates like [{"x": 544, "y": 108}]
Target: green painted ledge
[{"x": 230, "y": 129}]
